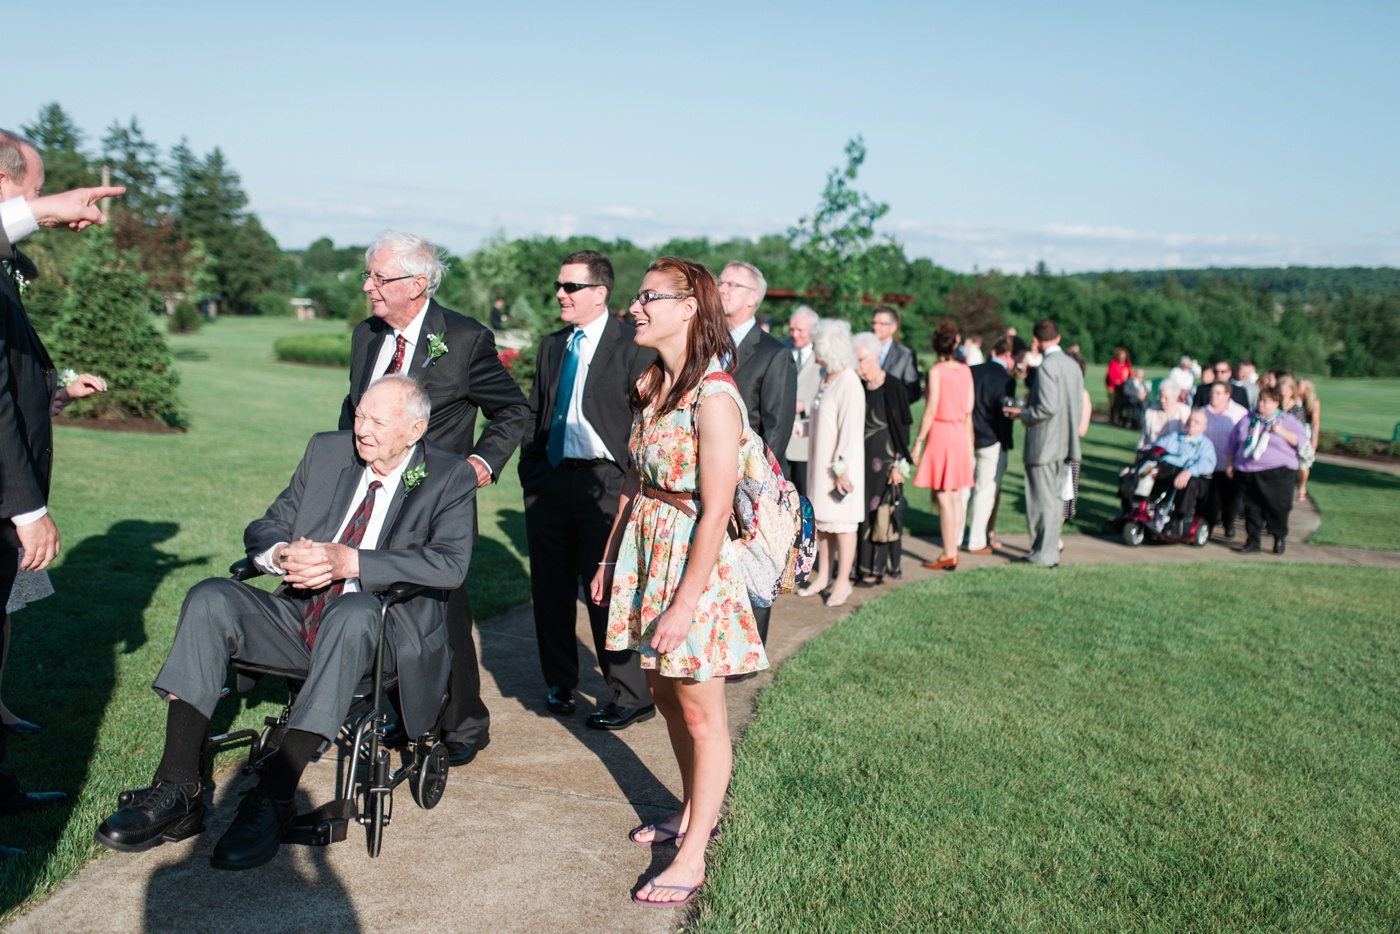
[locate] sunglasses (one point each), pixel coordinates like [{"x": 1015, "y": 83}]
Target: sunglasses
[
  {"x": 646, "y": 298},
  {"x": 572, "y": 287}
]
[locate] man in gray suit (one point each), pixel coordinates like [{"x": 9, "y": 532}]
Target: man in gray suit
[
  {"x": 365, "y": 509},
  {"x": 1051, "y": 417},
  {"x": 898, "y": 361},
  {"x": 809, "y": 380}
]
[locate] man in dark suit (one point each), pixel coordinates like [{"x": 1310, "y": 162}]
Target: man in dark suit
[
  {"x": 898, "y": 361},
  {"x": 992, "y": 384},
  {"x": 765, "y": 373},
  {"x": 454, "y": 359},
  {"x": 572, "y": 464},
  {"x": 28, "y": 382},
  {"x": 364, "y": 509}
]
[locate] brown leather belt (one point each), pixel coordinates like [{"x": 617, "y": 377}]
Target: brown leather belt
[{"x": 685, "y": 502}]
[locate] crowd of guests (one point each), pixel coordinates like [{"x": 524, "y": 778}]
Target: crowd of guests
[{"x": 1262, "y": 429}]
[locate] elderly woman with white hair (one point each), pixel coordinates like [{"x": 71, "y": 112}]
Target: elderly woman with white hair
[
  {"x": 836, "y": 461},
  {"x": 887, "y": 460}
]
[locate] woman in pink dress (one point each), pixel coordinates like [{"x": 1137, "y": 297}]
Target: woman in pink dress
[{"x": 946, "y": 465}]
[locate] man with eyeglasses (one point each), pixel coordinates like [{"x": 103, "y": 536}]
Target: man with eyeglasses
[
  {"x": 572, "y": 464},
  {"x": 765, "y": 373},
  {"x": 454, "y": 359},
  {"x": 896, "y": 359}
]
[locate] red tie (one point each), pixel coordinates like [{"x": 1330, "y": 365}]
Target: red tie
[
  {"x": 396, "y": 362},
  {"x": 354, "y": 532}
]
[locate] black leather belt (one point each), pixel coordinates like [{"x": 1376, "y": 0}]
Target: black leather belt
[{"x": 583, "y": 462}]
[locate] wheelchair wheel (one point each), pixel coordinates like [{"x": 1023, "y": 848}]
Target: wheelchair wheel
[
  {"x": 1202, "y": 534},
  {"x": 1132, "y": 534},
  {"x": 374, "y": 825},
  {"x": 431, "y": 779}
]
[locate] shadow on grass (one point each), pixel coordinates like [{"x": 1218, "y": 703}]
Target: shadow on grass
[
  {"x": 63, "y": 663},
  {"x": 189, "y": 354}
]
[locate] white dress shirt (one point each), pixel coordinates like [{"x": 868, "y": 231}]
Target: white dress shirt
[
  {"x": 411, "y": 333},
  {"x": 17, "y": 219},
  {"x": 885, "y": 351},
  {"x": 801, "y": 356},
  {"x": 581, "y": 442},
  {"x": 382, "y": 498}
]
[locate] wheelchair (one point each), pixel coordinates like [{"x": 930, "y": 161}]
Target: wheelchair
[{"x": 366, "y": 792}]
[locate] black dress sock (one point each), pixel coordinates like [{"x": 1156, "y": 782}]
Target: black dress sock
[
  {"x": 185, "y": 731},
  {"x": 282, "y": 774}
]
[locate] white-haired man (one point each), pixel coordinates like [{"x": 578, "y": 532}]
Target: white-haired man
[
  {"x": 764, "y": 372},
  {"x": 809, "y": 380},
  {"x": 455, "y": 360}
]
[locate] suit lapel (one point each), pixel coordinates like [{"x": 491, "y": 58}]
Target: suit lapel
[
  {"x": 371, "y": 358},
  {"x": 345, "y": 487},
  {"x": 607, "y": 346},
  {"x": 433, "y": 323},
  {"x": 747, "y": 347},
  {"x": 400, "y": 495}
]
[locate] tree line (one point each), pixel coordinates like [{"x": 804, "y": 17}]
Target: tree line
[{"x": 185, "y": 226}]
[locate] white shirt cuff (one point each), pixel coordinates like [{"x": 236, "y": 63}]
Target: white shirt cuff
[
  {"x": 482, "y": 460},
  {"x": 17, "y": 219},
  {"x": 264, "y": 562},
  {"x": 28, "y": 518}
]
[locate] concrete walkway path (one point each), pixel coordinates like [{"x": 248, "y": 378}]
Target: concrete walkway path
[{"x": 530, "y": 837}]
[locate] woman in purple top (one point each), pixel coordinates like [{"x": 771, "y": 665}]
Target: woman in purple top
[{"x": 1264, "y": 463}]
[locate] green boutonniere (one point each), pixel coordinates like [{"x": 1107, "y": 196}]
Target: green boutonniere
[
  {"x": 436, "y": 348},
  {"x": 414, "y": 476}
]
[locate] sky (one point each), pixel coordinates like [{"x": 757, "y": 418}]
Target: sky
[{"x": 1088, "y": 135}]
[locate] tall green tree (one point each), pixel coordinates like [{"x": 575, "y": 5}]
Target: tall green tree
[
  {"x": 60, "y": 142},
  {"x": 105, "y": 327},
  {"x": 135, "y": 162},
  {"x": 830, "y": 246}
]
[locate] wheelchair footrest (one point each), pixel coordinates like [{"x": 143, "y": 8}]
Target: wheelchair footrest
[{"x": 323, "y": 826}]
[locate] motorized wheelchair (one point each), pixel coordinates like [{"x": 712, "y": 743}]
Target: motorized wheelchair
[{"x": 366, "y": 792}]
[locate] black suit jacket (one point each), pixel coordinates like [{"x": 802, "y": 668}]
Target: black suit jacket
[
  {"x": 616, "y": 364},
  {"x": 470, "y": 376},
  {"x": 767, "y": 380},
  {"x": 28, "y": 381},
  {"x": 991, "y": 385},
  {"x": 426, "y": 539}
]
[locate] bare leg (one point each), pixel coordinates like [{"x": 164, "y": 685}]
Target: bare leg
[
  {"x": 663, "y": 693},
  {"x": 818, "y": 581},
  {"x": 1302, "y": 495},
  {"x": 845, "y": 557},
  {"x": 950, "y": 520},
  {"x": 707, "y": 723}
]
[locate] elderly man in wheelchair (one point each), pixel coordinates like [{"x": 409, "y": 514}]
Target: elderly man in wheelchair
[{"x": 366, "y": 510}]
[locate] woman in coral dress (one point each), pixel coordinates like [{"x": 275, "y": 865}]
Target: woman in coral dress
[
  {"x": 946, "y": 466},
  {"x": 671, "y": 576}
]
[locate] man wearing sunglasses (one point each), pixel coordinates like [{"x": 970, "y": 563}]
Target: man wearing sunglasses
[
  {"x": 572, "y": 464},
  {"x": 454, "y": 359}
]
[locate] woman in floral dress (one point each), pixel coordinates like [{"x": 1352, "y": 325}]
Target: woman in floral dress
[{"x": 677, "y": 595}]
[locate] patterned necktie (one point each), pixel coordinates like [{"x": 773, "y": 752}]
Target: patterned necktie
[
  {"x": 559, "y": 426},
  {"x": 353, "y": 534},
  {"x": 396, "y": 361}
]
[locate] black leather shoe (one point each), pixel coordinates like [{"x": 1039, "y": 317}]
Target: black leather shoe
[
  {"x": 613, "y": 717},
  {"x": 1250, "y": 547},
  {"x": 560, "y": 701},
  {"x": 20, "y": 726},
  {"x": 256, "y": 832},
  {"x": 1279, "y": 545},
  {"x": 165, "y": 812},
  {"x": 464, "y": 753},
  {"x": 395, "y": 737},
  {"x": 1230, "y": 530},
  {"x": 8, "y": 853}
]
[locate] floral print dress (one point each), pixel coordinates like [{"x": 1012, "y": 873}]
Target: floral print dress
[{"x": 655, "y": 548}]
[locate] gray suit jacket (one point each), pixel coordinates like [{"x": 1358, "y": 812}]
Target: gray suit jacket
[
  {"x": 809, "y": 381},
  {"x": 1052, "y": 411},
  {"x": 426, "y": 539},
  {"x": 903, "y": 366}
]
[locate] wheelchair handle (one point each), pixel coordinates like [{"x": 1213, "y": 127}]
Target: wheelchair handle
[{"x": 244, "y": 570}]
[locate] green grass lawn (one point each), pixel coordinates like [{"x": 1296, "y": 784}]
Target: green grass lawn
[
  {"x": 1360, "y": 507},
  {"x": 1204, "y": 748},
  {"x": 143, "y": 518}
]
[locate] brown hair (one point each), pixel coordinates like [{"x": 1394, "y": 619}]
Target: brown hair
[
  {"x": 1045, "y": 330},
  {"x": 599, "y": 267},
  {"x": 707, "y": 338},
  {"x": 1269, "y": 392},
  {"x": 945, "y": 339},
  {"x": 1120, "y": 354}
]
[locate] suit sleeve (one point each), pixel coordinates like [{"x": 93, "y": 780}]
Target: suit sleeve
[
  {"x": 500, "y": 400},
  {"x": 779, "y": 405},
  {"x": 1047, "y": 398},
  {"x": 913, "y": 382},
  {"x": 358, "y": 361},
  {"x": 20, "y": 490},
  {"x": 442, "y": 561},
  {"x": 530, "y": 449}
]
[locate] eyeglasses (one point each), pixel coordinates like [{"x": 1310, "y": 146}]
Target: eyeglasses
[
  {"x": 572, "y": 287},
  {"x": 725, "y": 283},
  {"x": 380, "y": 281},
  {"x": 645, "y": 298}
]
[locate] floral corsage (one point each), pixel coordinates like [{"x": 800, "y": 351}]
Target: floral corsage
[
  {"x": 436, "y": 348},
  {"x": 414, "y": 476}
]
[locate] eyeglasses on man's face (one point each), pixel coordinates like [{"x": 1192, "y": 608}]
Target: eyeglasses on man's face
[
  {"x": 647, "y": 297},
  {"x": 572, "y": 287},
  {"x": 731, "y": 284},
  {"x": 380, "y": 281}
]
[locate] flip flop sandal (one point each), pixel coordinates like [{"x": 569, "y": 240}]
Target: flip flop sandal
[{"x": 689, "y": 891}]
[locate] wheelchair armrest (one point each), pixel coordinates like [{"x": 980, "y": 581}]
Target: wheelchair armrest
[
  {"x": 244, "y": 570},
  {"x": 396, "y": 593}
]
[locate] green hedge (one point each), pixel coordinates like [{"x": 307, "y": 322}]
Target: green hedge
[{"x": 321, "y": 349}]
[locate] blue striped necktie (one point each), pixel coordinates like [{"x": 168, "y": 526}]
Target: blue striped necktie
[{"x": 567, "y": 375}]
